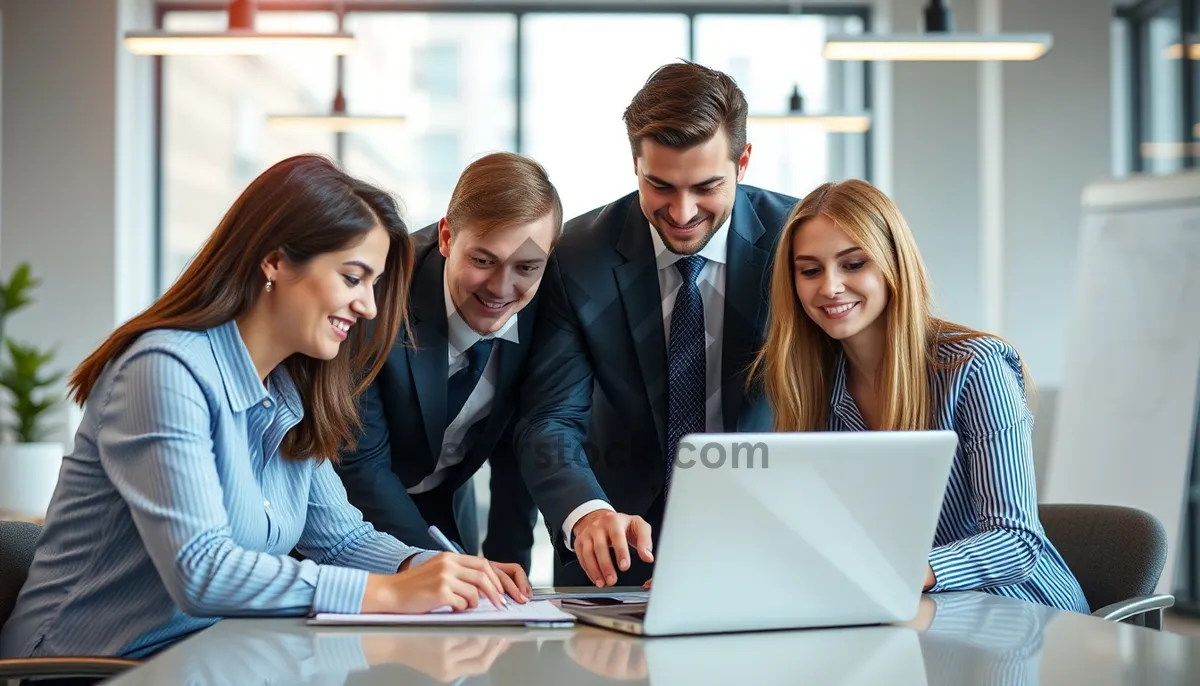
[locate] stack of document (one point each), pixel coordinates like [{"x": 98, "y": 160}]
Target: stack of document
[{"x": 539, "y": 613}]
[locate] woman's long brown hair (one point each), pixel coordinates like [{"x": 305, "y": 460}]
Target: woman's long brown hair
[{"x": 303, "y": 206}]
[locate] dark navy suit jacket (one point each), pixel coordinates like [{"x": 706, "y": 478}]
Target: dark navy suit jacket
[
  {"x": 404, "y": 418},
  {"x": 594, "y": 405}
]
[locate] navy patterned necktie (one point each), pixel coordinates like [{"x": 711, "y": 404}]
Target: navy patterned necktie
[
  {"x": 464, "y": 380},
  {"x": 686, "y": 368}
]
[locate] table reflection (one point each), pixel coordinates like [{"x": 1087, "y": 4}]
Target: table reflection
[
  {"x": 969, "y": 638},
  {"x": 955, "y": 639},
  {"x": 281, "y": 652},
  {"x": 850, "y": 657}
]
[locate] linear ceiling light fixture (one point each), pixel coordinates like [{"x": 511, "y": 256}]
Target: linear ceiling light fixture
[
  {"x": 338, "y": 120},
  {"x": 831, "y": 122},
  {"x": 1169, "y": 149},
  {"x": 938, "y": 43},
  {"x": 1175, "y": 50},
  {"x": 241, "y": 38}
]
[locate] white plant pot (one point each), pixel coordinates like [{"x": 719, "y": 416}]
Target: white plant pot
[{"x": 28, "y": 475}]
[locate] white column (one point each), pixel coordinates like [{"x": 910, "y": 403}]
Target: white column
[
  {"x": 1057, "y": 115},
  {"x": 77, "y": 163},
  {"x": 934, "y": 173},
  {"x": 991, "y": 177}
]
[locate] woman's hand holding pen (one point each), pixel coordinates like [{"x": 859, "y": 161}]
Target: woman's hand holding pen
[
  {"x": 449, "y": 579},
  {"x": 506, "y": 575}
]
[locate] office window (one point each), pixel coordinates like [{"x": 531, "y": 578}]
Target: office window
[
  {"x": 1193, "y": 109},
  {"x": 1163, "y": 113},
  {"x": 437, "y": 70},
  {"x": 448, "y": 76},
  {"x": 215, "y": 138},
  {"x": 1161, "y": 102},
  {"x": 1120, "y": 96},
  {"x": 573, "y": 107},
  {"x": 770, "y": 57}
]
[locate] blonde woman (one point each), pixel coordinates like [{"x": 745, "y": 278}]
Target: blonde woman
[{"x": 852, "y": 346}]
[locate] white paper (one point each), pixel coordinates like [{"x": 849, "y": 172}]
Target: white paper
[{"x": 533, "y": 612}]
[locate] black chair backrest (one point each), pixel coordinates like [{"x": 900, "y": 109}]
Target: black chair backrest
[
  {"x": 18, "y": 541},
  {"x": 1115, "y": 552}
]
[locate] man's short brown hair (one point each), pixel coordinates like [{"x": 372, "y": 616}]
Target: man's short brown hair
[
  {"x": 503, "y": 189},
  {"x": 683, "y": 105}
]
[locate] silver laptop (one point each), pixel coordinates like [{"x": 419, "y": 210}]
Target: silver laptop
[{"x": 791, "y": 530}]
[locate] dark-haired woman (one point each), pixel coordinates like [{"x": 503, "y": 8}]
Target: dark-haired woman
[{"x": 211, "y": 419}]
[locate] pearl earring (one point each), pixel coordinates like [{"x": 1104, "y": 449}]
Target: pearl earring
[{"x": 269, "y": 285}]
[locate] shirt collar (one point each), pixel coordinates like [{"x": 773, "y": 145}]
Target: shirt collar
[
  {"x": 841, "y": 403},
  {"x": 240, "y": 377},
  {"x": 461, "y": 336},
  {"x": 714, "y": 251}
]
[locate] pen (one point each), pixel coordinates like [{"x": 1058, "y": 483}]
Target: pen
[
  {"x": 450, "y": 547},
  {"x": 446, "y": 543}
]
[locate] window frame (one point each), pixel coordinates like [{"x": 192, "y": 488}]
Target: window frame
[
  {"x": 689, "y": 9},
  {"x": 1137, "y": 18}
]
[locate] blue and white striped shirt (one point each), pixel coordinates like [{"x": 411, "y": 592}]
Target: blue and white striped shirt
[
  {"x": 175, "y": 509},
  {"x": 988, "y": 537}
]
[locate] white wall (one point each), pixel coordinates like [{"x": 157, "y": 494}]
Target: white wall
[
  {"x": 935, "y": 165},
  {"x": 1057, "y": 139},
  {"x": 1054, "y": 140},
  {"x": 76, "y": 168},
  {"x": 1054, "y": 136}
]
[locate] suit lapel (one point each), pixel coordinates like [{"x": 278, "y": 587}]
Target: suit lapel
[
  {"x": 745, "y": 304},
  {"x": 428, "y": 358},
  {"x": 637, "y": 281}
]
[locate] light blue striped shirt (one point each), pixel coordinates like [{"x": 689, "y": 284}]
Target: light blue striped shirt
[
  {"x": 988, "y": 537},
  {"x": 175, "y": 509}
]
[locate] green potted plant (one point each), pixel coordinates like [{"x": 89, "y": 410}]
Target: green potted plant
[{"x": 29, "y": 463}]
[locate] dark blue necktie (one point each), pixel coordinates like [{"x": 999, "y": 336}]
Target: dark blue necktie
[
  {"x": 686, "y": 368},
  {"x": 464, "y": 380}
]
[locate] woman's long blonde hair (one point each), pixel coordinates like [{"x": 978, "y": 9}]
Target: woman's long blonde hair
[{"x": 796, "y": 364}]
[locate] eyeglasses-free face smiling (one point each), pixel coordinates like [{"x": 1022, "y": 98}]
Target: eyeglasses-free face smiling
[
  {"x": 316, "y": 305},
  {"x": 492, "y": 275},
  {"x": 839, "y": 286},
  {"x": 687, "y": 195}
]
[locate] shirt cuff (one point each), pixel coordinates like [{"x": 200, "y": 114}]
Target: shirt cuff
[
  {"x": 420, "y": 558},
  {"x": 340, "y": 590},
  {"x": 578, "y": 514},
  {"x": 940, "y": 560}
]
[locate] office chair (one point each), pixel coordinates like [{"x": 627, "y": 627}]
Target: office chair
[
  {"x": 1117, "y": 554},
  {"x": 18, "y": 540}
]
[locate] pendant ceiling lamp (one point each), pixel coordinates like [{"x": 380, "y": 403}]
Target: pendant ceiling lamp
[
  {"x": 338, "y": 120},
  {"x": 241, "y": 38},
  {"x": 938, "y": 43}
]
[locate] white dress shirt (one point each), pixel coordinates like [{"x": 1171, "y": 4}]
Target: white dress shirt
[
  {"x": 712, "y": 292},
  {"x": 460, "y": 338}
]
